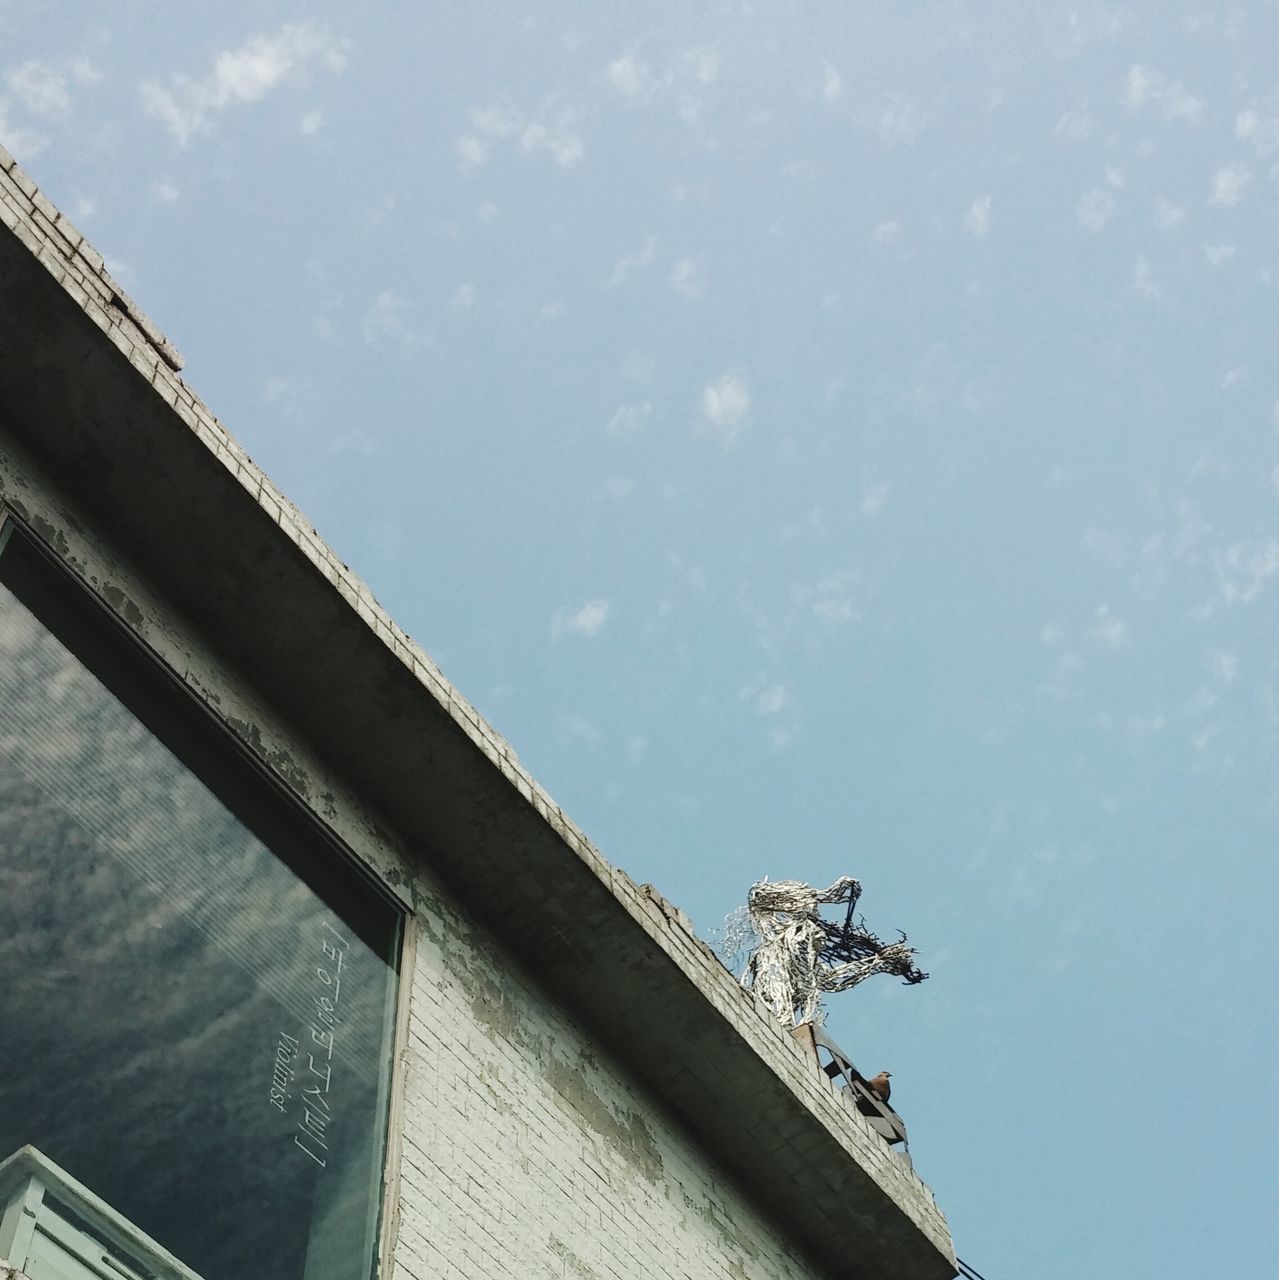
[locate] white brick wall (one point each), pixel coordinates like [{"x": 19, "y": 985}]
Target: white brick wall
[{"x": 528, "y": 1153}]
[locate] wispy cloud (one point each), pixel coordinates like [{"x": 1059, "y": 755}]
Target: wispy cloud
[
  {"x": 1167, "y": 215},
  {"x": 43, "y": 89},
  {"x": 1169, "y": 97},
  {"x": 629, "y": 419},
  {"x": 1244, "y": 569},
  {"x": 725, "y": 404},
  {"x": 1095, "y": 209},
  {"x": 245, "y": 74},
  {"x": 636, "y": 260},
  {"x": 491, "y": 125},
  {"x": 587, "y": 621},
  {"x": 1074, "y": 126},
  {"x": 1262, "y": 131},
  {"x": 39, "y": 91},
  {"x": 977, "y": 220},
  {"x": 1142, "y": 278},
  {"x": 579, "y": 727},
  {"x": 1108, "y": 631},
  {"x": 629, "y": 76},
  {"x": 773, "y": 702},
  {"x": 559, "y": 142},
  {"x": 1228, "y": 186},
  {"x": 688, "y": 279},
  {"x": 899, "y": 121},
  {"x": 702, "y": 65},
  {"x": 832, "y": 84},
  {"x": 391, "y": 319}
]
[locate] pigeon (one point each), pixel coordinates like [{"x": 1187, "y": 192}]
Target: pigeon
[{"x": 879, "y": 1086}]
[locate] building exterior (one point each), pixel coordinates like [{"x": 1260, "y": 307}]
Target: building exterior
[{"x": 302, "y": 976}]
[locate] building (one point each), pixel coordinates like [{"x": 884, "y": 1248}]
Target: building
[{"x": 302, "y": 976}]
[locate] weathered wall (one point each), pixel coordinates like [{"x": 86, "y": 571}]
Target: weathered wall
[
  {"x": 529, "y": 1153},
  {"x": 523, "y": 1149}
]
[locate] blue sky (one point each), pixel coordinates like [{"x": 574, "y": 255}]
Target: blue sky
[{"x": 822, "y": 439}]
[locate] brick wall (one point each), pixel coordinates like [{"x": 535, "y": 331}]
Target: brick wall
[{"x": 529, "y": 1153}]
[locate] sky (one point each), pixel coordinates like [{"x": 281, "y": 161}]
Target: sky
[{"x": 822, "y": 439}]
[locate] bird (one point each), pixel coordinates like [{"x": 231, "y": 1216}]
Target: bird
[{"x": 879, "y": 1086}]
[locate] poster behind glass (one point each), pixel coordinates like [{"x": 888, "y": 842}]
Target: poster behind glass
[{"x": 195, "y": 989}]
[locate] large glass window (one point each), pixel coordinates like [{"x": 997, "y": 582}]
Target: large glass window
[{"x": 196, "y": 987}]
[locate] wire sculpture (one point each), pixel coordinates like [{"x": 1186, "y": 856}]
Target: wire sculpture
[{"x": 795, "y": 955}]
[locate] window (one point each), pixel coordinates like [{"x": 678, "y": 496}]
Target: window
[{"x": 196, "y": 985}]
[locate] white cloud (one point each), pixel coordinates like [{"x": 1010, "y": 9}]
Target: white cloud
[
  {"x": 1141, "y": 279},
  {"x": 1228, "y": 186},
  {"x": 628, "y": 75},
  {"x": 164, "y": 191},
  {"x": 464, "y": 297},
  {"x": 834, "y": 598},
  {"x": 1217, "y": 254},
  {"x": 725, "y": 403},
  {"x": 310, "y": 122},
  {"x": 832, "y": 84},
  {"x": 833, "y": 608},
  {"x": 772, "y": 701},
  {"x": 1261, "y": 131},
  {"x": 1169, "y": 97},
  {"x": 1074, "y": 126},
  {"x": 500, "y": 124},
  {"x": 474, "y": 151},
  {"x": 1109, "y": 631},
  {"x": 1224, "y": 665},
  {"x": 887, "y": 232},
  {"x": 390, "y": 318},
  {"x": 23, "y": 143},
  {"x": 873, "y": 499},
  {"x": 977, "y": 220},
  {"x": 637, "y": 260},
  {"x": 1243, "y": 570},
  {"x": 774, "y": 704},
  {"x": 576, "y": 726},
  {"x": 245, "y": 74},
  {"x": 1233, "y": 377},
  {"x": 1095, "y": 209},
  {"x": 629, "y": 419},
  {"x": 563, "y": 147},
  {"x": 495, "y": 122},
  {"x": 586, "y": 621},
  {"x": 1167, "y": 215},
  {"x": 688, "y": 279},
  {"x": 40, "y": 89},
  {"x": 899, "y": 122},
  {"x": 703, "y": 65}
]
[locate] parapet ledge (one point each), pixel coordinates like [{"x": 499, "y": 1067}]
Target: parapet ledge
[{"x": 70, "y": 257}]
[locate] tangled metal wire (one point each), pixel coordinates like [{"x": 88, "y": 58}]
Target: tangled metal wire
[{"x": 795, "y": 955}]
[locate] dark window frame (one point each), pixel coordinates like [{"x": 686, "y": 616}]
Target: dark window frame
[{"x": 332, "y": 861}]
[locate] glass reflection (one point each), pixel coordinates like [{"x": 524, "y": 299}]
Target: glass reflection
[{"x": 196, "y": 1032}]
